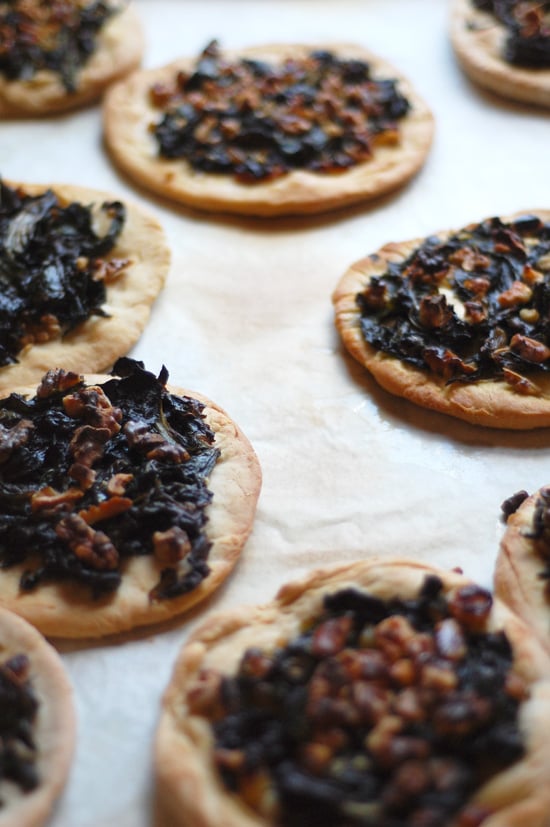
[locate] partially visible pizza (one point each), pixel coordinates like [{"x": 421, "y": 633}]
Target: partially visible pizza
[
  {"x": 60, "y": 54},
  {"x": 271, "y": 130},
  {"x": 377, "y": 692},
  {"x": 123, "y": 501},
  {"x": 458, "y": 321},
  {"x": 504, "y": 46},
  {"x": 37, "y": 724},
  {"x": 80, "y": 272},
  {"x": 522, "y": 569}
]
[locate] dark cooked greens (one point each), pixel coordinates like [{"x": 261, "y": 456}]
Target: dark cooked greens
[
  {"x": 93, "y": 476},
  {"x": 49, "y": 34},
  {"x": 499, "y": 273},
  {"x": 528, "y": 29},
  {"x": 18, "y": 709},
  {"x": 257, "y": 120},
  {"x": 51, "y": 268},
  {"x": 388, "y": 713}
]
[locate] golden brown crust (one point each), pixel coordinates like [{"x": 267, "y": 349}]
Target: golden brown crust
[
  {"x": 55, "y": 724},
  {"x": 491, "y": 403},
  {"x": 188, "y": 788},
  {"x": 69, "y": 610},
  {"x": 119, "y": 51},
  {"x": 478, "y": 41},
  {"x": 128, "y": 113},
  {"x": 518, "y": 566},
  {"x": 97, "y": 343}
]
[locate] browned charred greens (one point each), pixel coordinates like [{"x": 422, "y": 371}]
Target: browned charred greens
[
  {"x": 52, "y": 274},
  {"x": 383, "y": 713},
  {"x": 528, "y": 29},
  {"x": 55, "y": 35},
  {"x": 499, "y": 272},
  {"x": 91, "y": 476},
  {"x": 256, "y": 120},
  {"x": 18, "y": 708}
]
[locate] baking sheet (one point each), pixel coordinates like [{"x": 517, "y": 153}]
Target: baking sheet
[{"x": 246, "y": 319}]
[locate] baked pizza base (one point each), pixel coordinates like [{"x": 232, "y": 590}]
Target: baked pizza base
[
  {"x": 54, "y": 725},
  {"x": 491, "y": 403},
  {"x": 188, "y": 788},
  {"x": 478, "y": 40},
  {"x": 98, "y": 342},
  {"x": 119, "y": 51},
  {"x": 68, "y": 610},
  {"x": 517, "y": 570},
  {"x": 128, "y": 114}
]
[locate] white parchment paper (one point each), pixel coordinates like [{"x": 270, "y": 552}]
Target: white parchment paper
[{"x": 246, "y": 319}]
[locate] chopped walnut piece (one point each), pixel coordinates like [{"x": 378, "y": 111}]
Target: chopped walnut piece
[
  {"x": 48, "y": 499},
  {"x": 469, "y": 260},
  {"x": 518, "y": 293},
  {"x": 529, "y": 349},
  {"x": 118, "y": 483},
  {"x": 520, "y": 383},
  {"x": 172, "y": 545},
  {"x": 470, "y": 606},
  {"x": 56, "y": 381},
  {"x": 92, "y": 547},
  {"x": 105, "y": 510},
  {"x": 434, "y": 311},
  {"x": 93, "y": 406}
]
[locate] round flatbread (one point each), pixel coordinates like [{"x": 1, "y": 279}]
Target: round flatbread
[
  {"x": 118, "y": 50},
  {"x": 521, "y": 573},
  {"x": 139, "y": 261},
  {"x": 479, "y": 41},
  {"x": 141, "y": 510},
  {"x": 303, "y": 639},
  {"x": 129, "y": 113},
  {"x": 452, "y": 320},
  {"x": 30, "y": 665}
]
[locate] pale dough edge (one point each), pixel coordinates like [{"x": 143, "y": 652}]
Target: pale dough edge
[
  {"x": 235, "y": 483},
  {"x": 97, "y": 343},
  {"x": 188, "y": 790},
  {"x": 489, "y": 403},
  {"x": 127, "y": 114},
  {"x": 120, "y": 49},
  {"x": 56, "y": 723},
  {"x": 478, "y": 40}
]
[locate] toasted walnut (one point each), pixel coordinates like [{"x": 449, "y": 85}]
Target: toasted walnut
[
  {"x": 57, "y": 381},
  {"x": 52, "y": 501},
  {"x": 172, "y": 545},
  {"x": 93, "y": 406},
  {"x": 105, "y": 510},
  {"x": 92, "y": 547},
  {"x": 529, "y": 349},
  {"x": 518, "y": 293}
]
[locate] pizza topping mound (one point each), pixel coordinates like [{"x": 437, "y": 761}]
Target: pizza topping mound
[
  {"x": 527, "y": 24},
  {"x": 55, "y": 35},
  {"x": 258, "y": 121},
  {"x": 18, "y": 708},
  {"x": 380, "y": 712},
  {"x": 471, "y": 307},
  {"x": 52, "y": 271},
  {"x": 91, "y": 476}
]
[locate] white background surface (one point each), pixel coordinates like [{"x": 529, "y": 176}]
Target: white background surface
[{"x": 246, "y": 319}]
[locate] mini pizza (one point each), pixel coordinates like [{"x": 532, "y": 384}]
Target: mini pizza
[
  {"x": 457, "y": 321},
  {"x": 504, "y": 46},
  {"x": 80, "y": 271},
  {"x": 523, "y": 564},
  {"x": 60, "y": 54},
  {"x": 271, "y": 130},
  {"x": 379, "y": 692},
  {"x": 37, "y": 725},
  {"x": 122, "y": 502}
]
